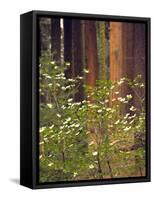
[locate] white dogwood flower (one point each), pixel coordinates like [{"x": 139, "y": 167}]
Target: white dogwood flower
[
  {"x": 132, "y": 108},
  {"x": 91, "y": 166},
  {"x": 94, "y": 153}
]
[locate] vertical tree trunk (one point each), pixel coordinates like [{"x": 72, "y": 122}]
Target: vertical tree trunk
[
  {"x": 116, "y": 52},
  {"x": 91, "y": 52},
  {"x": 77, "y": 59},
  {"x": 128, "y": 55},
  {"x": 45, "y": 37},
  {"x": 128, "y": 49},
  {"x": 73, "y": 52},
  {"x": 122, "y": 53},
  {"x": 139, "y": 49},
  {"x": 139, "y": 68},
  {"x": 102, "y": 50},
  {"x": 44, "y": 45},
  {"x": 55, "y": 38},
  {"x": 127, "y": 59},
  {"x": 68, "y": 46}
]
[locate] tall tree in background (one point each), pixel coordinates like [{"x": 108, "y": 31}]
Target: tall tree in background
[
  {"x": 91, "y": 52},
  {"x": 55, "y": 38},
  {"x": 127, "y": 51},
  {"x": 73, "y": 51},
  {"x": 116, "y": 51},
  {"x": 68, "y": 45},
  {"x": 139, "y": 68},
  {"x": 139, "y": 49},
  {"x": 127, "y": 59},
  {"x": 101, "y": 49},
  {"x": 77, "y": 59},
  {"x": 45, "y": 36}
]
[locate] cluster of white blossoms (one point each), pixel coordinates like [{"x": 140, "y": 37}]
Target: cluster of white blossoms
[
  {"x": 86, "y": 71},
  {"x": 46, "y": 76},
  {"x": 67, "y": 63},
  {"x": 79, "y": 77},
  {"x": 57, "y": 84},
  {"x": 64, "y": 88},
  {"x": 127, "y": 128},
  {"x": 141, "y": 85},
  {"x": 52, "y": 62},
  {"x": 132, "y": 116},
  {"x": 63, "y": 107},
  {"x": 49, "y": 105},
  {"x": 75, "y": 174},
  {"x": 51, "y": 127},
  {"x": 106, "y": 101},
  {"x": 111, "y": 110},
  {"x": 132, "y": 108},
  {"x": 99, "y": 111},
  {"x": 117, "y": 122},
  {"x": 67, "y": 120},
  {"x": 129, "y": 96},
  {"x": 131, "y": 122},
  {"x": 70, "y": 100},
  {"x": 50, "y": 85},
  {"x": 121, "y": 81},
  {"x": 85, "y": 101},
  {"x": 58, "y": 115},
  {"x": 56, "y": 67},
  {"x": 50, "y": 164},
  {"x": 42, "y": 129},
  {"x": 95, "y": 153},
  {"x": 91, "y": 105},
  {"x": 71, "y": 80},
  {"x": 110, "y": 125},
  {"x": 91, "y": 166},
  {"x": 126, "y": 116},
  {"x": 69, "y": 123},
  {"x": 121, "y": 99},
  {"x": 73, "y": 104},
  {"x": 74, "y": 125}
]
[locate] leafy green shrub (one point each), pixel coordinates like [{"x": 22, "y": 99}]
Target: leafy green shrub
[{"x": 102, "y": 136}]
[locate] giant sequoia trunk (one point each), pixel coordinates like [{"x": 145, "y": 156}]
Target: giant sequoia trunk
[
  {"x": 116, "y": 53},
  {"x": 139, "y": 68},
  {"x": 91, "y": 52},
  {"x": 127, "y": 51},
  {"x": 127, "y": 59},
  {"x": 77, "y": 56},
  {"x": 73, "y": 52}
]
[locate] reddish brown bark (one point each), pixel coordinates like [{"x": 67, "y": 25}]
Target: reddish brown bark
[
  {"x": 115, "y": 51},
  {"x": 91, "y": 52}
]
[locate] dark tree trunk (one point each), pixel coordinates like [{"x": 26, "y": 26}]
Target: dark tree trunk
[
  {"x": 55, "y": 38},
  {"x": 68, "y": 46},
  {"x": 77, "y": 56},
  {"x": 139, "y": 68},
  {"x": 45, "y": 36},
  {"x": 139, "y": 49}
]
